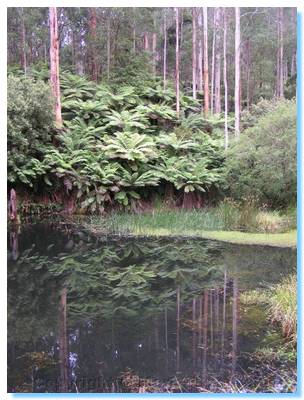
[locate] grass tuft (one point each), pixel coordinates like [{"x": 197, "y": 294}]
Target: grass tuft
[{"x": 283, "y": 306}]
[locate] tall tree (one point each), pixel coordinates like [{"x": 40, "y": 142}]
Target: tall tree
[
  {"x": 177, "y": 60},
  {"x": 237, "y": 104},
  {"x": 54, "y": 63},
  {"x": 93, "y": 43},
  {"x": 248, "y": 72},
  {"x": 200, "y": 51},
  {"x": 212, "y": 66},
  {"x": 23, "y": 42},
  {"x": 109, "y": 45},
  {"x": 165, "y": 51},
  {"x": 217, "y": 66},
  {"x": 134, "y": 29},
  {"x": 206, "y": 71},
  {"x": 225, "y": 78},
  {"x": 194, "y": 51},
  {"x": 154, "y": 53},
  {"x": 146, "y": 41},
  {"x": 280, "y": 51}
]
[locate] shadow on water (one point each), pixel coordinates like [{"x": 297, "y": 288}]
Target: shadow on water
[{"x": 83, "y": 310}]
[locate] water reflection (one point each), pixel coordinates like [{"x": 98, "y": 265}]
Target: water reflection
[{"x": 82, "y": 308}]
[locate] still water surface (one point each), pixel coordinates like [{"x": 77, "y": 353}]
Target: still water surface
[{"x": 83, "y": 310}]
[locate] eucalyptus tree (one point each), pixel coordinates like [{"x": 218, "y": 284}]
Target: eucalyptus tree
[
  {"x": 206, "y": 70},
  {"x": 280, "y": 52},
  {"x": 177, "y": 89},
  {"x": 165, "y": 49},
  {"x": 237, "y": 44},
  {"x": 217, "y": 60},
  {"x": 201, "y": 43},
  {"x": 194, "y": 53},
  {"x": 225, "y": 77},
  {"x": 54, "y": 64}
]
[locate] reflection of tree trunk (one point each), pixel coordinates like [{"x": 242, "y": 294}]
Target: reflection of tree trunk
[
  {"x": 200, "y": 323},
  {"x": 63, "y": 345},
  {"x": 205, "y": 336},
  {"x": 224, "y": 314},
  {"x": 14, "y": 244},
  {"x": 211, "y": 321},
  {"x": 235, "y": 317},
  {"x": 166, "y": 337},
  {"x": 113, "y": 335},
  {"x": 194, "y": 332},
  {"x": 178, "y": 329},
  {"x": 217, "y": 309},
  {"x": 156, "y": 333},
  {"x": 13, "y": 206}
]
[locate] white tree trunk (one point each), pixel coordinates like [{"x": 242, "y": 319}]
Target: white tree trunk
[
  {"x": 206, "y": 71},
  {"x": 200, "y": 51},
  {"x": 108, "y": 46},
  {"x": 217, "y": 71},
  {"x": 54, "y": 62},
  {"x": 165, "y": 50},
  {"x": 237, "y": 71},
  {"x": 212, "y": 66},
  {"x": 154, "y": 54},
  {"x": 194, "y": 50},
  {"x": 177, "y": 61},
  {"x": 225, "y": 79}
]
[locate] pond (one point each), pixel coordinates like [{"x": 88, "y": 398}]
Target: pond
[{"x": 110, "y": 314}]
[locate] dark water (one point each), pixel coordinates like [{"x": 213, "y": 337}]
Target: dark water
[{"x": 83, "y": 310}]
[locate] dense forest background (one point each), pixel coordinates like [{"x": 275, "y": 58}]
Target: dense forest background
[{"x": 186, "y": 104}]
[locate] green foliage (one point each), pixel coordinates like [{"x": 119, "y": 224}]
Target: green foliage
[
  {"x": 283, "y": 306},
  {"x": 130, "y": 146},
  {"x": 189, "y": 174},
  {"x": 29, "y": 129},
  {"x": 126, "y": 120},
  {"x": 263, "y": 161},
  {"x": 76, "y": 87},
  {"x": 117, "y": 142},
  {"x": 290, "y": 89},
  {"x": 257, "y": 111}
]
